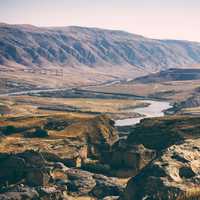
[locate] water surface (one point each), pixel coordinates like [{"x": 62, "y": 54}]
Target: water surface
[{"x": 155, "y": 109}]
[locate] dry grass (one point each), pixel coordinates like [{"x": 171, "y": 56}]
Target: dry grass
[
  {"x": 182, "y": 89},
  {"x": 29, "y": 106},
  {"x": 84, "y": 104},
  {"x": 190, "y": 194}
]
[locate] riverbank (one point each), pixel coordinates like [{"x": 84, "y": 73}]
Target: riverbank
[{"x": 154, "y": 109}]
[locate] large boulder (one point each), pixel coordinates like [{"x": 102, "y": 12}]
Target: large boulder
[
  {"x": 37, "y": 177},
  {"x": 175, "y": 174},
  {"x": 12, "y": 168},
  {"x": 19, "y": 193},
  {"x": 81, "y": 182},
  {"x": 99, "y": 134},
  {"x": 126, "y": 160},
  {"x": 106, "y": 186},
  {"x": 50, "y": 192},
  {"x": 28, "y": 166}
]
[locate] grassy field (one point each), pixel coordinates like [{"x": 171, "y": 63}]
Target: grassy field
[
  {"x": 172, "y": 91},
  {"x": 26, "y": 105}
]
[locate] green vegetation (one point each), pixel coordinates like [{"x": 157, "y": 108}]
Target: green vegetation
[
  {"x": 8, "y": 130},
  {"x": 39, "y": 132}
]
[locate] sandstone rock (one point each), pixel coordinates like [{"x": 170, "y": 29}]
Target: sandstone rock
[
  {"x": 111, "y": 198},
  {"x": 135, "y": 156},
  {"x": 175, "y": 173},
  {"x": 20, "y": 193},
  {"x": 101, "y": 135},
  {"x": 127, "y": 160},
  {"x": 50, "y": 193},
  {"x": 106, "y": 186},
  {"x": 33, "y": 158},
  {"x": 29, "y": 166},
  {"x": 85, "y": 183},
  {"x": 26, "y": 193},
  {"x": 37, "y": 177},
  {"x": 80, "y": 182},
  {"x": 12, "y": 169},
  {"x": 61, "y": 166}
]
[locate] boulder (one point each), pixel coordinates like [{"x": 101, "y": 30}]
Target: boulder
[
  {"x": 80, "y": 182},
  {"x": 106, "y": 186},
  {"x": 85, "y": 183},
  {"x": 20, "y": 193},
  {"x": 12, "y": 169},
  {"x": 29, "y": 166},
  {"x": 33, "y": 158},
  {"x": 37, "y": 177},
  {"x": 50, "y": 193},
  {"x": 111, "y": 198},
  {"x": 127, "y": 160},
  {"x": 134, "y": 156},
  {"x": 99, "y": 134},
  {"x": 173, "y": 175}
]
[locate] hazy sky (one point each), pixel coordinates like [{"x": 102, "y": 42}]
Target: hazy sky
[{"x": 178, "y": 19}]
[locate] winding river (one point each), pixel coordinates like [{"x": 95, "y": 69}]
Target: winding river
[{"x": 155, "y": 109}]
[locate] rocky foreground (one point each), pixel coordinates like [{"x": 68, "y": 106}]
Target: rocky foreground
[{"x": 66, "y": 157}]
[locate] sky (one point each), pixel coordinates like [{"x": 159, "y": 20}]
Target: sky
[{"x": 162, "y": 19}]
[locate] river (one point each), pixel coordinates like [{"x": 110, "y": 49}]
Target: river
[{"x": 155, "y": 109}]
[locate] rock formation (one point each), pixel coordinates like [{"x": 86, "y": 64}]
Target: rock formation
[{"x": 173, "y": 175}]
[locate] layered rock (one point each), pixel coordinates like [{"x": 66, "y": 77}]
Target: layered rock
[{"x": 174, "y": 175}]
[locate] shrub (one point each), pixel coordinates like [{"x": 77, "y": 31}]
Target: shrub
[
  {"x": 8, "y": 130},
  {"x": 40, "y": 133}
]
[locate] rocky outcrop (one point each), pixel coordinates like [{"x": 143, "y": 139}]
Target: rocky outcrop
[
  {"x": 80, "y": 182},
  {"x": 28, "y": 175},
  {"x": 101, "y": 137},
  {"x": 83, "y": 183},
  {"x": 174, "y": 175},
  {"x": 19, "y": 193},
  {"x": 69, "y": 140},
  {"x": 161, "y": 133},
  {"x": 127, "y": 160},
  {"x": 29, "y": 166}
]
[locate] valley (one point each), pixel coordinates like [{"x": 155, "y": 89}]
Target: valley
[{"x": 95, "y": 114}]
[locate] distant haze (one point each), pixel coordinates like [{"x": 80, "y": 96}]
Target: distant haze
[{"x": 174, "y": 19}]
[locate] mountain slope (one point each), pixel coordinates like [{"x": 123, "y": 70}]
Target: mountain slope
[{"x": 97, "y": 53}]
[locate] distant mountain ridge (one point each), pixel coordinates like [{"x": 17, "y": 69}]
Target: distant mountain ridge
[
  {"x": 117, "y": 54},
  {"x": 172, "y": 74}
]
